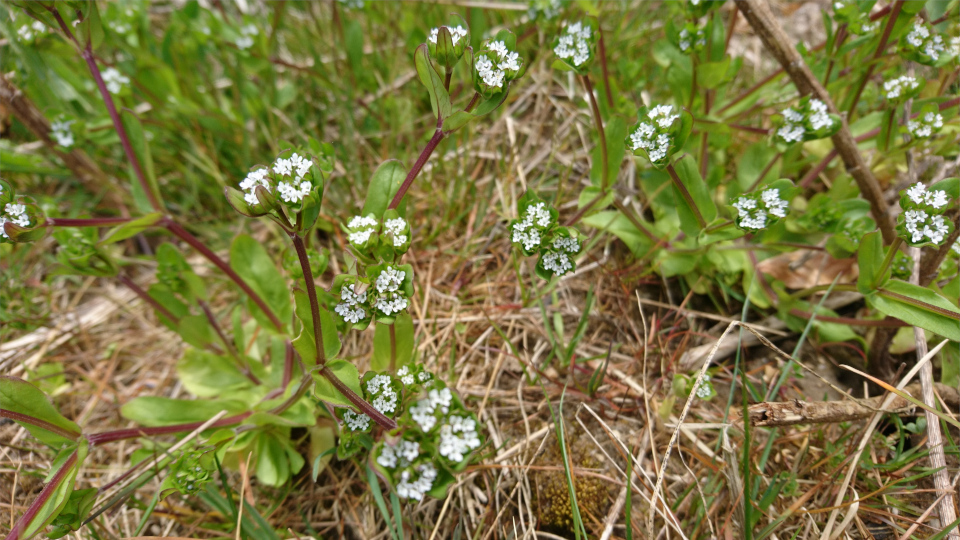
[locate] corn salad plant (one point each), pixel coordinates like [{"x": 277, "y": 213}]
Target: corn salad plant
[{"x": 274, "y": 366}]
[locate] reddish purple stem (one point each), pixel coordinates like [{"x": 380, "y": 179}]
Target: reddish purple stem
[{"x": 17, "y": 532}]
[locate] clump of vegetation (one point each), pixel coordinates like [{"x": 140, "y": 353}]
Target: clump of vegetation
[{"x": 553, "y": 502}]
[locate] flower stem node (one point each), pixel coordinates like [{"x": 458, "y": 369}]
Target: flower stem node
[
  {"x": 575, "y": 47},
  {"x": 660, "y": 132},
  {"x": 448, "y": 43},
  {"x": 759, "y": 210},
  {"x": 924, "y": 46},
  {"x": 807, "y": 121},
  {"x": 922, "y": 222},
  {"x": 496, "y": 64},
  {"x": 21, "y": 220}
]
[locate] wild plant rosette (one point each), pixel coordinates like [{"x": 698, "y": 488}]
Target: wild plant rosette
[
  {"x": 660, "y": 132},
  {"x": 924, "y": 46},
  {"x": 764, "y": 207},
  {"x": 21, "y": 219},
  {"x": 575, "y": 46},
  {"x": 536, "y": 231},
  {"x": 448, "y": 43},
  {"x": 496, "y": 64},
  {"x": 808, "y": 120},
  {"x": 922, "y": 221}
]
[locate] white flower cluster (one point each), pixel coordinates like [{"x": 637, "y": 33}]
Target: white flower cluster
[
  {"x": 650, "y": 138},
  {"x": 794, "y": 129},
  {"x": 356, "y": 421},
  {"x": 16, "y": 214},
  {"x": 548, "y": 9},
  {"x": 956, "y": 246},
  {"x": 921, "y": 39},
  {"x": 923, "y": 128},
  {"x": 249, "y": 184},
  {"x": 527, "y": 232},
  {"x": 27, "y": 31},
  {"x": 245, "y": 40},
  {"x": 455, "y": 34},
  {"x": 574, "y": 43},
  {"x": 396, "y": 227},
  {"x": 363, "y": 227},
  {"x": 955, "y": 47},
  {"x": 919, "y": 225},
  {"x": 401, "y": 455},
  {"x": 351, "y": 304},
  {"x": 388, "y": 285},
  {"x": 296, "y": 166},
  {"x": 697, "y": 39},
  {"x": 703, "y": 391},
  {"x": 919, "y": 194},
  {"x": 114, "y": 80},
  {"x": 60, "y": 132},
  {"x": 458, "y": 436},
  {"x": 416, "y": 489},
  {"x": 558, "y": 261},
  {"x": 424, "y": 411},
  {"x": 493, "y": 71},
  {"x": 386, "y": 398},
  {"x": 895, "y": 87},
  {"x": 752, "y": 215},
  {"x": 407, "y": 377}
]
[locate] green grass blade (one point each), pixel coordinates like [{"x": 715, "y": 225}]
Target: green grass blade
[{"x": 381, "y": 504}]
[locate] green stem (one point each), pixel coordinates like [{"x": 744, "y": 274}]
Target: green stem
[
  {"x": 820, "y": 288},
  {"x": 686, "y": 195},
  {"x": 888, "y": 259},
  {"x": 920, "y": 304},
  {"x": 603, "y": 137}
]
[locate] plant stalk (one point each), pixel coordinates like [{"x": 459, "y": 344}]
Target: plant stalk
[
  {"x": 145, "y": 296},
  {"x": 31, "y": 514},
  {"x": 438, "y": 136},
  {"x": 386, "y": 423},
  {"x": 40, "y": 423},
  {"x": 686, "y": 195},
  {"x": 196, "y": 244},
  {"x": 312, "y": 295},
  {"x": 888, "y": 258},
  {"x": 96, "y": 439},
  {"x": 602, "y": 51},
  {"x": 231, "y": 349},
  {"x": 603, "y": 137},
  {"x": 87, "y": 222}
]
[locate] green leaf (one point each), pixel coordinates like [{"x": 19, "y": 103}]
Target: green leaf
[
  {"x": 439, "y": 98},
  {"x": 90, "y": 31},
  {"x": 888, "y": 128},
  {"x": 195, "y": 330},
  {"x": 31, "y": 409},
  {"x": 250, "y": 260},
  {"x": 870, "y": 264},
  {"x": 384, "y": 184},
  {"x": 457, "y": 120},
  {"x": 615, "y": 131},
  {"x": 305, "y": 344},
  {"x": 66, "y": 466},
  {"x": 918, "y": 306},
  {"x": 403, "y": 334},
  {"x": 353, "y": 40},
  {"x": 712, "y": 74},
  {"x": 153, "y": 411},
  {"x": 207, "y": 375},
  {"x": 615, "y": 222},
  {"x": 131, "y": 228},
  {"x": 348, "y": 375},
  {"x": 689, "y": 176},
  {"x": 140, "y": 148},
  {"x": 75, "y": 509}
]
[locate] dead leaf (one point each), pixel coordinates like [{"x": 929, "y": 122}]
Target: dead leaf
[{"x": 803, "y": 269}]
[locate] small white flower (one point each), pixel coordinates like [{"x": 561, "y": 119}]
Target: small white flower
[
  {"x": 390, "y": 279},
  {"x": 350, "y": 304},
  {"x": 362, "y": 221},
  {"x": 423, "y": 414},
  {"x": 916, "y": 192},
  {"x": 820, "y": 117},
  {"x": 60, "y": 132},
  {"x": 391, "y": 303},
  {"x": 491, "y": 74},
  {"x": 895, "y": 87},
  {"x": 791, "y": 132},
  {"x": 359, "y": 237},
  {"x": 570, "y": 245},
  {"x": 294, "y": 192},
  {"x": 458, "y": 436},
  {"x": 440, "y": 399},
  {"x": 385, "y": 397},
  {"x": 114, "y": 80},
  {"x": 416, "y": 489},
  {"x": 356, "y": 421},
  {"x": 918, "y": 34},
  {"x": 557, "y": 262},
  {"x": 396, "y": 227},
  {"x": 775, "y": 205},
  {"x": 245, "y": 41},
  {"x": 924, "y": 127},
  {"x": 574, "y": 43},
  {"x": 400, "y": 455},
  {"x": 249, "y": 185},
  {"x": 913, "y": 221},
  {"x": 956, "y": 245},
  {"x": 455, "y": 34},
  {"x": 16, "y": 214}
]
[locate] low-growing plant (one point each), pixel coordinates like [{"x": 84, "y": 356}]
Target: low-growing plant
[{"x": 275, "y": 366}]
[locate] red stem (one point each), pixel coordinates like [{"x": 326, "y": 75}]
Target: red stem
[
  {"x": 145, "y": 296},
  {"x": 27, "y": 518},
  {"x": 287, "y": 365},
  {"x": 603, "y": 67},
  {"x": 386, "y": 423},
  {"x": 96, "y": 439},
  {"x": 438, "y": 136},
  {"x": 196, "y": 244},
  {"x": 312, "y": 295},
  {"x": 241, "y": 364},
  {"x": 87, "y": 222},
  {"x": 42, "y": 424},
  {"x": 603, "y": 137}
]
